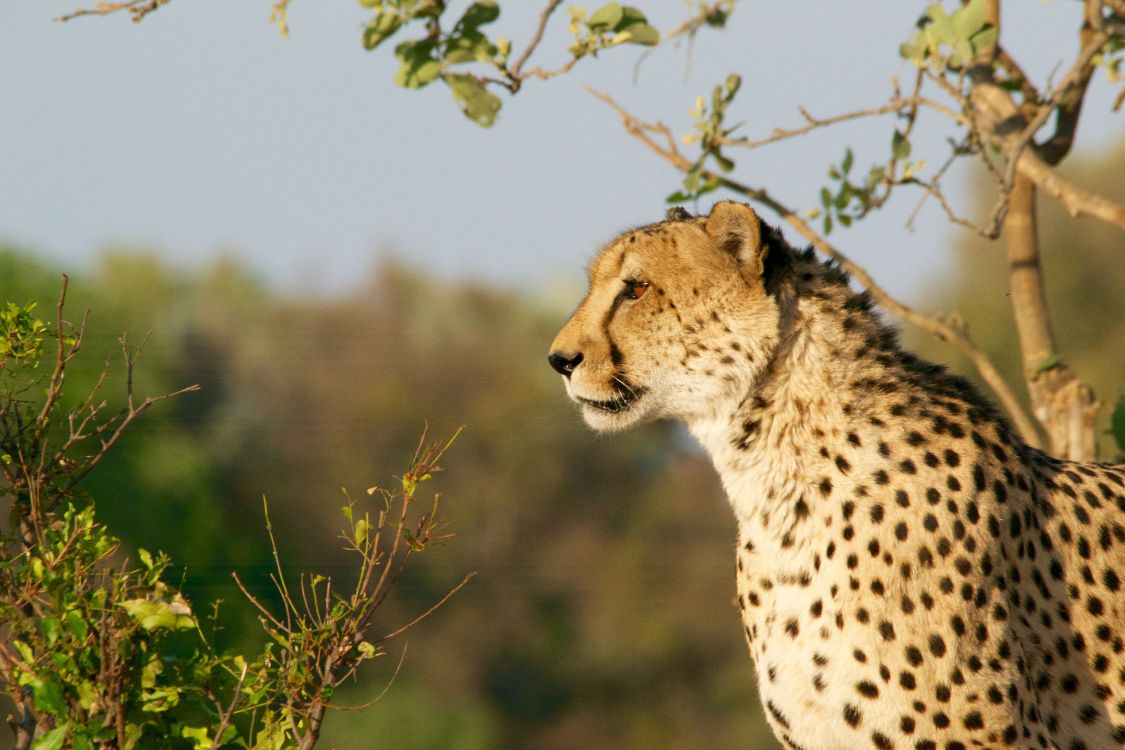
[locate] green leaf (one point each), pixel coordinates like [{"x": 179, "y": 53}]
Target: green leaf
[
  {"x": 849, "y": 158},
  {"x": 640, "y": 33},
  {"x": 87, "y": 695},
  {"x": 1117, "y": 423},
  {"x": 1048, "y": 363},
  {"x": 900, "y": 146},
  {"x": 379, "y": 28},
  {"x": 152, "y": 615},
  {"x": 969, "y": 19},
  {"x": 606, "y": 18},
  {"x": 478, "y": 14},
  {"x": 473, "y": 45},
  {"x": 47, "y": 695},
  {"x": 985, "y": 38},
  {"x": 52, "y": 740},
  {"x": 25, "y": 651},
  {"x": 418, "y": 66},
  {"x": 478, "y": 104},
  {"x": 51, "y": 629}
]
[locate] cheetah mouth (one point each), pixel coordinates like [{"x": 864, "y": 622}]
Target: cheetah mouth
[{"x": 621, "y": 402}]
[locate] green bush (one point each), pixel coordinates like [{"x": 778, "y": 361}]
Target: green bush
[{"x": 98, "y": 650}]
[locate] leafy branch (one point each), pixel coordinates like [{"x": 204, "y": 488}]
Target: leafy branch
[{"x": 98, "y": 651}]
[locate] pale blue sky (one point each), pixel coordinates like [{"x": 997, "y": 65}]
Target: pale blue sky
[{"x": 200, "y": 131}]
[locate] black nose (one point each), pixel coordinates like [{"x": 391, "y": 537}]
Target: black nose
[{"x": 564, "y": 362}]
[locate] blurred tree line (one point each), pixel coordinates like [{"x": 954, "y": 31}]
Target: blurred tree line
[{"x": 601, "y": 614}]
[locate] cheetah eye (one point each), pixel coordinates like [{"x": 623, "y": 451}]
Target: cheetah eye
[{"x": 634, "y": 290}]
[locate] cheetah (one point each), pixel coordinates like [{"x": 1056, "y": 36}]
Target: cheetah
[{"x": 910, "y": 574}]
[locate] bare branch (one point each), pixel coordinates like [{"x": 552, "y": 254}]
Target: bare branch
[
  {"x": 430, "y": 611},
  {"x": 896, "y": 104},
  {"x": 700, "y": 19},
  {"x": 225, "y": 714},
  {"x": 515, "y": 72},
  {"x": 138, "y": 9}
]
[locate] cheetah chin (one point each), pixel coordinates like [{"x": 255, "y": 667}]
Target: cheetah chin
[{"x": 910, "y": 574}]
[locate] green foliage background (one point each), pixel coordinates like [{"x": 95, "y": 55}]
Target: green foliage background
[{"x": 601, "y": 614}]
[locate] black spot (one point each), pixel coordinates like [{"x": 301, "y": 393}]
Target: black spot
[
  {"x": 777, "y": 715},
  {"x": 937, "y": 645},
  {"x": 852, "y": 715},
  {"x": 1111, "y": 581},
  {"x": 867, "y": 689}
]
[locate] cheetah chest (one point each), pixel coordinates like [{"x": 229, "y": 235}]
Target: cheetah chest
[{"x": 837, "y": 669}]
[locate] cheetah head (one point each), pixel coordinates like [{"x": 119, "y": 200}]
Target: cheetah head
[{"x": 679, "y": 321}]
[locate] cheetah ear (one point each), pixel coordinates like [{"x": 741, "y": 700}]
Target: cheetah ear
[{"x": 737, "y": 230}]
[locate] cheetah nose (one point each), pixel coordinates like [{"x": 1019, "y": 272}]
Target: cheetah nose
[{"x": 564, "y": 362}]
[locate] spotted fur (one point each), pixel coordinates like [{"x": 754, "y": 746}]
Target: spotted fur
[{"x": 911, "y": 575}]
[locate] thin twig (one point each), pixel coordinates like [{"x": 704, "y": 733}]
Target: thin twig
[
  {"x": 896, "y": 104},
  {"x": 429, "y": 611},
  {"x": 515, "y": 72},
  {"x": 226, "y": 714},
  {"x": 138, "y": 9},
  {"x": 702, "y": 17}
]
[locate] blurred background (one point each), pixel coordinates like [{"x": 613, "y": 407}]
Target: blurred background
[{"x": 339, "y": 262}]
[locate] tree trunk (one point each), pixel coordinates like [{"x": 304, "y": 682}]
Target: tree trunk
[{"x": 1064, "y": 405}]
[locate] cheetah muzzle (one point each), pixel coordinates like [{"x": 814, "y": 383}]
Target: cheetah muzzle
[{"x": 910, "y": 574}]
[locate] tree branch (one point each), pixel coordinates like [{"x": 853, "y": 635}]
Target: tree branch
[
  {"x": 896, "y": 104},
  {"x": 1064, "y": 406},
  {"x": 515, "y": 71},
  {"x": 138, "y": 9},
  {"x": 658, "y": 138}
]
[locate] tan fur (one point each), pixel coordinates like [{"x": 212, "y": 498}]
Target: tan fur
[{"x": 910, "y": 574}]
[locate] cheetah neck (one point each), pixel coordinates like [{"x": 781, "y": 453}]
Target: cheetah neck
[{"x": 768, "y": 447}]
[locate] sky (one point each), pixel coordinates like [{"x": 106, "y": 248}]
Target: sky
[{"x": 201, "y": 132}]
